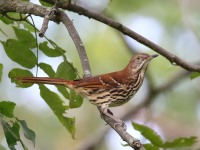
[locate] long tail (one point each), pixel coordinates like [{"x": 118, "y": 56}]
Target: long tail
[{"x": 46, "y": 80}]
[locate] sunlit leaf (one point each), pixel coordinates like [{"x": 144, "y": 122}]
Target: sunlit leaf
[
  {"x": 56, "y": 105},
  {"x": 25, "y": 37},
  {"x": 65, "y": 71},
  {"x": 28, "y": 133},
  {"x": 19, "y": 53},
  {"x": 195, "y": 75},
  {"x": 181, "y": 142},
  {"x": 1, "y": 70},
  {"x": 7, "y": 108},
  {"x": 17, "y": 72},
  {"x": 50, "y": 52},
  {"x": 149, "y": 134},
  {"x": 150, "y": 147},
  {"x": 75, "y": 100}
]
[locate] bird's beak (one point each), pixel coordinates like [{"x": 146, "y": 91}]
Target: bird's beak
[{"x": 153, "y": 56}]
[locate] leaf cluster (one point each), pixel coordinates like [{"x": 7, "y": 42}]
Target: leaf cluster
[
  {"x": 12, "y": 125},
  {"x": 23, "y": 49},
  {"x": 156, "y": 142}
]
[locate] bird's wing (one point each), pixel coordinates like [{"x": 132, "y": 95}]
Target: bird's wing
[{"x": 101, "y": 81}]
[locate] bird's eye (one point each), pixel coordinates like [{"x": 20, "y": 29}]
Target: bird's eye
[{"x": 138, "y": 59}]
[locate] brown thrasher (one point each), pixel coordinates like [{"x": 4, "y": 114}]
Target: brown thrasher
[{"x": 112, "y": 89}]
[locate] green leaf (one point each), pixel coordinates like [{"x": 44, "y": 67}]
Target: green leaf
[
  {"x": 1, "y": 70},
  {"x": 5, "y": 19},
  {"x": 28, "y": 133},
  {"x": 17, "y": 72},
  {"x": 66, "y": 71},
  {"x": 181, "y": 142},
  {"x": 50, "y": 52},
  {"x": 19, "y": 53},
  {"x": 195, "y": 75},
  {"x": 75, "y": 100},
  {"x": 25, "y": 37},
  {"x": 47, "y": 69},
  {"x": 63, "y": 91},
  {"x": 7, "y": 108},
  {"x": 56, "y": 105},
  {"x": 150, "y": 147},
  {"x": 43, "y": 3},
  {"x": 50, "y": 72},
  {"x": 11, "y": 134},
  {"x": 149, "y": 134}
]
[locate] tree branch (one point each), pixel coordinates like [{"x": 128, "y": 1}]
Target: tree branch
[
  {"x": 126, "y": 31},
  {"x": 29, "y": 8}
]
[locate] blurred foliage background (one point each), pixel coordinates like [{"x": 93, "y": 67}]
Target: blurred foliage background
[{"x": 172, "y": 24}]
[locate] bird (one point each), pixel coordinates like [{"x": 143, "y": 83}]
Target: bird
[{"x": 105, "y": 90}]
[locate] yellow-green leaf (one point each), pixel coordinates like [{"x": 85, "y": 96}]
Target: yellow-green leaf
[
  {"x": 181, "y": 142},
  {"x": 195, "y": 75}
]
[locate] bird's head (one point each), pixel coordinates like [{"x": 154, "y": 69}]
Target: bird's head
[{"x": 140, "y": 62}]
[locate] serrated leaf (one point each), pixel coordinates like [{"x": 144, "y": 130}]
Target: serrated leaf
[
  {"x": 150, "y": 147},
  {"x": 47, "y": 69},
  {"x": 181, "y": 142},
  {"x": 7, "y": 108},
  {"x": 17, "y": 72},
  {"x": 11, "y": 133},
  {"x": 19, "y": 53},
  {"x": 28, "y": 133},
  {"x": 50, "y": 52},
  {"x": 149, "y": 134},
  {"x": 195, "y": 75},
  {"x": 65, "y": 71},
  {"x": 25, "y": 37},
  {"x": 1, "y": 70},
  {"x": 75, "y": 100},
  {"x": 56, "y": 105}
]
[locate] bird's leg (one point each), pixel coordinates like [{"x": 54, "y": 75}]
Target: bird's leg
[{"x": 107, "y": 112}]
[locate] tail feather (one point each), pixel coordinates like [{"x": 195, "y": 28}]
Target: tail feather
[{"x": 45, "y": 80}]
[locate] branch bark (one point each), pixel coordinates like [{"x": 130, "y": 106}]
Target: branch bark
[
  {"x": 126, "y": 31},
  {"x": 24, "y": 7}
]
